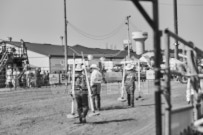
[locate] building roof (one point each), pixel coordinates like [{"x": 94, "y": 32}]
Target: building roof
[
  {"x": 45, "y": 49},
  {"x": 58, "y": 50}
]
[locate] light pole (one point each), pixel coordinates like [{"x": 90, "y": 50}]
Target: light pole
[
  {"x": 65, "y": 46},
  {"x": 127, "y": 23},
  {"x": 139, "y": 38},
  {"x": 61, "y": 37},
  {"x": 154, "y": 23},
  {"x": 176, "y": 28},
  {"x": 10, "y": 39}
]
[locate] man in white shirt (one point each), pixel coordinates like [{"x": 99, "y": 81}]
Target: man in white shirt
[{"x": 95, "y": 83}]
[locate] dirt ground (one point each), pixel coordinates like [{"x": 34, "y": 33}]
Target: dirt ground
[{"x": 42, "y": 111}]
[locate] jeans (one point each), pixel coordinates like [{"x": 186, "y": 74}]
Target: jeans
[
  {"x": 82, "y": 104},
  {"x": 130, "y": 98},
  {"x": 98, "y": 98},
  {"x": 96, "y": 88}
]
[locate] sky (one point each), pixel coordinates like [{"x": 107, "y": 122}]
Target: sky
[{"x": 95, "y": 23}]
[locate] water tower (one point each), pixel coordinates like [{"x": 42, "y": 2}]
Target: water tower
[{"x": 139, "y": 38}]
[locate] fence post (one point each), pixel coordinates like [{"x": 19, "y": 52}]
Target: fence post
[
  {"x": 167, "y": 89},
  {"x": 195, "y": 82}
]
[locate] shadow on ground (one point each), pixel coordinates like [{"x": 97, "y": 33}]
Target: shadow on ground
[
  {"x": 151, "y": 104},
  {"x": 113, "y": 108},
  {"x": 111, "y": 121}
]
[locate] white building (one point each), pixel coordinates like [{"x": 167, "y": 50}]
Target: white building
[{"x": 51, "y": 57}]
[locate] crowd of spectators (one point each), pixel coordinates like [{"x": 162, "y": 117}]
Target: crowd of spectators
[{"x": 30, "y": 78}]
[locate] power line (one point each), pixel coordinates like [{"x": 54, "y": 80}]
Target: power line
[
  {"x": 97, "y": 37},
  {"x": 134, "y": 26},
  {"x": 116, "y": 29},
  {"x": 181, "y": 4},
  {"x": 93, "y": 38}
]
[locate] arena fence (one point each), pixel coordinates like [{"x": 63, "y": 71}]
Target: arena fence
[{"x": 181, "y": 121}]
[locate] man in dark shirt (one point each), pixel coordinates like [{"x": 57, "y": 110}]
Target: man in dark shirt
[
  {"x": 81, "y": 93},
  {"x": 130, "y": 84}
]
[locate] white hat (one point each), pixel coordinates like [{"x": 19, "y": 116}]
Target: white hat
[
  {"x": 78, "y": 67},
  {"x": 129, "y": 67},
  {"x": 94, "y": 66}
]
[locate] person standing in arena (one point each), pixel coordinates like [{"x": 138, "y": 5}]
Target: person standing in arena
[
  {"x": 81, "y": 93},
  {"x": 15, "y": 78},
  {"x": 129, "y": 82},
  {"x": 95, "y": 83}
]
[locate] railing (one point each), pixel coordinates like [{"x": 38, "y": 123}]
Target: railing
[{"x": 192, "y": 65}]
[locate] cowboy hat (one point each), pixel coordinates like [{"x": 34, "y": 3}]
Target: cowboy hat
[
  {"x": 129, "y": 67},
  {"x": 94, "y": 66},
  {"x": 78, "y": 67}
]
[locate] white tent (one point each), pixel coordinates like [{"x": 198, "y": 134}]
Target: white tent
[
  {"x": 148, "y": 54},
  {"x": 144, "y": 59},
  {"x": 128, "y": 61},
  {"x": 174, "y": 63},
  {"x": 132, "y": 60}
]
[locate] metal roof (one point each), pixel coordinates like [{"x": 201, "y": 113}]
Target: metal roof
[{"x": 58, "y": 50}]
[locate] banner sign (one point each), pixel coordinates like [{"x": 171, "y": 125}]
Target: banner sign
[
  {"x": 108, "y": 65},
  {"x": 65, "y": 79},
  {"x": 70, "y": 61},
  {"x": 62, "y": 78},
  {"x": 150, "y": 75},
  {"x": 77, "y": 61},
  {"x": 53, "y": 78},
  {"x": 113, "y": 76}
]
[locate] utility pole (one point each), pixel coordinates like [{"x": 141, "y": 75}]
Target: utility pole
[
  {"x": 176, "y": 28},
  {"x": 127, "y": 23},
  {"x": 154, "y": 23},
  {"x": 65, "y": 46}
]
